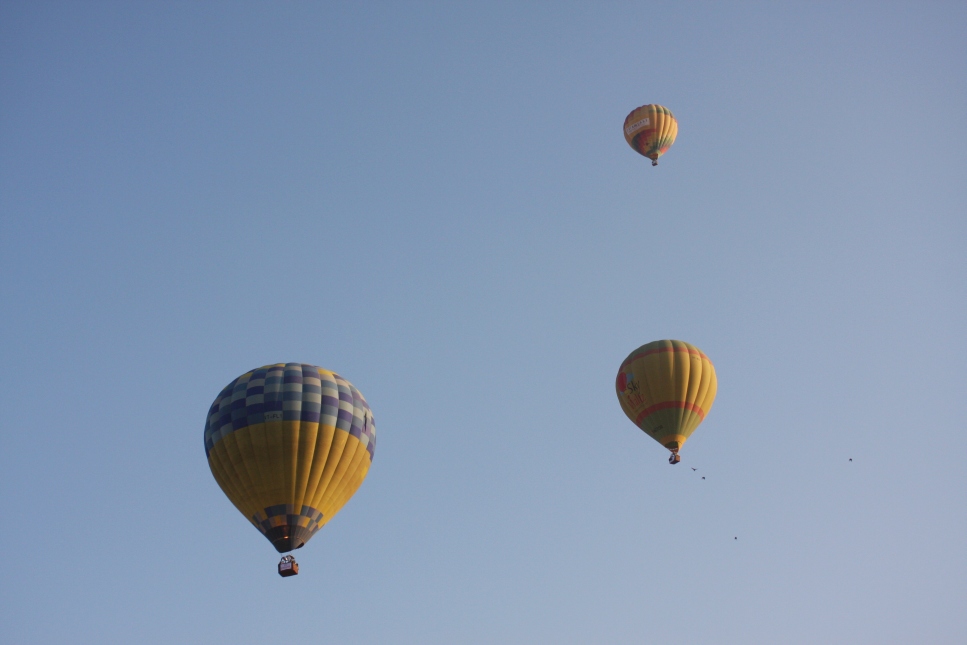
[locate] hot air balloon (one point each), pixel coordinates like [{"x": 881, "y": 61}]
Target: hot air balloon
[
  {"x": 651, "y": 131},
  {"x": 666, "y": 388},
  {"x": 289, "y": 444}
]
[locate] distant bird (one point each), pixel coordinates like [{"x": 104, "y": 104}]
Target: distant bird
[
  {"x": 736, "y": 537},
  {"x": 851, "y": 459},
  {"x": 703, "y": 478},
  {"x": 697, "y": 468}
]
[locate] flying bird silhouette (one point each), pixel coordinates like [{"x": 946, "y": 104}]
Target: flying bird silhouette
[
  {"x": 697, "y": 468},
  {"x": 703, "y": 478}
]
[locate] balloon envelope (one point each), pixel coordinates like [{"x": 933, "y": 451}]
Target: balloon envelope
[
  {"x": 651, "y": 130},
  {"x": 666, "y": 388},
  {"x": 289, "y": 444}
]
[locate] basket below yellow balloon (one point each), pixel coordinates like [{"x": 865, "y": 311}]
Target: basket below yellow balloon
[{"x": 667, "y": 388}]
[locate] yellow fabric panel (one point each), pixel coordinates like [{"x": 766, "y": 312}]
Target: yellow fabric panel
[
  {"x": 290, "y": 458},
  {"x": 275, "y": 474},
  {"x": 260, "y": 449},
  {"x": 225, "y": 479},
  {"x": 669, "y": 132},
  {"x": 693, "y": 383},
  {"x": 239, "y": 469},
  {"x": 228, "y": 478},
  {"x": 345, "y": 460},
  {"x": 306, "y": 450},
  {"x": 708, "y": 388},
  {"x": 260, "y": 488},
  {"x": 248, "y": 461},
  {"x": 323, "y": 446},
  {"x": 358, "y": 460},
  {"x": 332, "y": 463},
  {"x": 337, "y": 477},
  {"x": 349, "y": 487}
]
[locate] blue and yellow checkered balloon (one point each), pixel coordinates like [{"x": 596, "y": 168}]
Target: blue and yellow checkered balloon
[{"x": 289, "y": 444}]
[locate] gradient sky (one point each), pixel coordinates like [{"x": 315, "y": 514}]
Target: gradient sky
[{"x": 437, "y": 202}]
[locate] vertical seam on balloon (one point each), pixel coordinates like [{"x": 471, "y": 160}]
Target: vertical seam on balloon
[
  {"x": 223, "y": 478},
  {"x": 700, "y": 392},
  {"x": 257, "y": 435},
  {"x": 324, "y": 442},
  {"x": 246, "y": 449},
  {"x": 687, "y": 411},
  {"x": 349, "y": 484},
  {"x": 307, "y": 448},
  {"x": 344, "y": 460},
  {"x": 660, "y": 122},
  {"x": 694, "y": 419},
  {"x": 235, "y": 479},
  {"x": 336, "y": 448},
  {"x": 231, "y": 471},
  {"x": 682, "y": 394},
  {"x": 645, "y": 388},
  {"x": 290, "y": 444},
  {"x": 666, "y": 128},
  {"x": 241, "y": 473},
  {"x": 304, "y": 483},
  {"x": 353, "y": 482},
  {"x": 335, "y": 500},
  {"x": 324, "y": 437},
  {"x": 256, "y": 477},
  {"x": 323, "y": 495},
  {"x": 712, "y": 390}
]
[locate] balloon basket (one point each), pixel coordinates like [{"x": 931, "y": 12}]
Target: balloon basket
[{"x": 288, "y": 567}]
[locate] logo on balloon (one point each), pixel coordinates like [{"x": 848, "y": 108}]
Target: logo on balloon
[
  {"x": 626, "y": 381},
  {"x": 637, "y": 125}
]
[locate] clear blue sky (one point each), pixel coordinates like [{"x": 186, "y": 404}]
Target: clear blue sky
[{"x": 437, "y": 202}]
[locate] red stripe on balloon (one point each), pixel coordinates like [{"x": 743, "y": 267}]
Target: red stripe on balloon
[
  {"x": 662, "y": 350},
  {"x": 664, "y": 405}
]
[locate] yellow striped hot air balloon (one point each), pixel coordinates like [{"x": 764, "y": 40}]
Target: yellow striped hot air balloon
[
  {"x": 651, "y": 131},
  {"x": 289, "y": 444},
  {"x": 666, "y": 388}
]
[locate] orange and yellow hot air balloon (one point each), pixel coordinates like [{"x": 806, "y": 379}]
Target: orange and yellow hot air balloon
[
  {"x": 651, "y": 131},
  {"x": 667, "y": 387}
]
